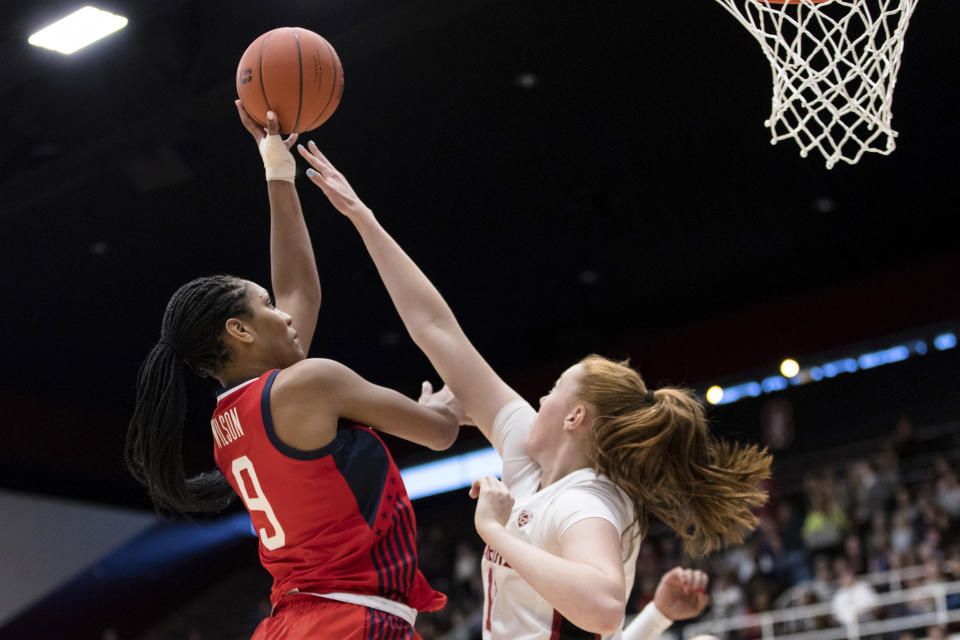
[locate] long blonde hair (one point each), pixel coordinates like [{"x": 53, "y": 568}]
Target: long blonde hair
[{"x": 659, "y": 450}]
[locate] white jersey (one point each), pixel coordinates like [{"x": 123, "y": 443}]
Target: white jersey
[{"x": 512, "y": 610}]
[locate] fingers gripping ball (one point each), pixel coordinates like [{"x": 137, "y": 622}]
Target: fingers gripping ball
[{"x": 294, "y": 73}]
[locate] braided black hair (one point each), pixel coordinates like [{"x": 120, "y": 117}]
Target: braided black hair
[{"x": 191, "y": 337}]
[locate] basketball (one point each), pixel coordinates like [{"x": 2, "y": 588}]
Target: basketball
[{"x": 293, "y": 72}]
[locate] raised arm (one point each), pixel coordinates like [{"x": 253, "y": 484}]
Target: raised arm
[
  {"x": 293, "y": 269},
  {"x": 423, "y": 310}
]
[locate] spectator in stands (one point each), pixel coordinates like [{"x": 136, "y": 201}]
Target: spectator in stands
[
  {"x": 837, "y": 492},
  {"x": 879, "y": 522},
  {"x": 904, "y": 440},
  {"x": 853, "y": 552},
  {"x": 885, "y": 465},
  {"x": 904, "y": 502},
  {"x": 790, "y": 521},
  {"x": 825, "y": 523},
  {"x": 854, "y": 600},
  {"x": 878, "y": 552},
  {"x": 822, "y": 585},
  {"x": 728, "y": 597},
  {"x": 903, "y": 559},
  {"x": 948, "y": 494},
  {"x": 936, "y": 632},
  {"x": 861, "y": 479},
  {"x": 951, "y": 569},
  {"x": 932, "y": 574},
  {"x": 742, "y": 560},
  {"x": 901, "y": 534},
  {"x": 759, "y": 602},
  {"x": 933, "y": 523}
]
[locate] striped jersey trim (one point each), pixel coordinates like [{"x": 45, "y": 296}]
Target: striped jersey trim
[{"x": 395, "y": 557}]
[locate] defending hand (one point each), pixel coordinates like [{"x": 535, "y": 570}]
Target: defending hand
[
  {"x": 444, "y": 400},
  {"x": 494, "y": 504},
  {"x": 680, "y": 594},
  {"x": 333, "y": 184}
]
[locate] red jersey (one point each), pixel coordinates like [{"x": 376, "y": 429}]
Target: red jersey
[{"x": 336, "y": 519}]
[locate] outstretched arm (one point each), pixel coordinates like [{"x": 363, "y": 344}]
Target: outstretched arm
[
  {"x": 293, "y": 269},
  {"x": 309, "y": 398},
  {"x": 423, "y": 310}
]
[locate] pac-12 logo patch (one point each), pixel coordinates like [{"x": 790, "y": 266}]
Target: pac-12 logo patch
[{"x": 524, "y": 517}]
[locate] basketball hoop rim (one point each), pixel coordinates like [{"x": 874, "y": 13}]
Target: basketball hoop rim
[{"x": 789, "y": 1}]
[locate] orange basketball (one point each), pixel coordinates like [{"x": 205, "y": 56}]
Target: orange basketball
[{"x": 293, "y": 72}]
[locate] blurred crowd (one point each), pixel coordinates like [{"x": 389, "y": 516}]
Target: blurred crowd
[{"x": 893, "y": 508}]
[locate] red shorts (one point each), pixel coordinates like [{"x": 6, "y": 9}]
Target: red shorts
[{"x": 310, "y": 617}]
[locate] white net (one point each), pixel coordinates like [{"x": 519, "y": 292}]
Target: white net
[{"x": 834, "y": 66}]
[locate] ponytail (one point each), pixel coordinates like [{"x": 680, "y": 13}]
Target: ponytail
[
  {"x": 658, "y": 449},
  {"x": 191, "y": 338}
]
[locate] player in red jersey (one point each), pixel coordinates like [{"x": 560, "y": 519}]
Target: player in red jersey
[{"x": 336, "y": 527}]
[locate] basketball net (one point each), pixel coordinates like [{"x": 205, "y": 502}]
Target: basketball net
[{"x": 834, "y": 65}]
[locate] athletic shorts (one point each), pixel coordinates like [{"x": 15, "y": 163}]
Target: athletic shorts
[{"x": 313, "y": 618}]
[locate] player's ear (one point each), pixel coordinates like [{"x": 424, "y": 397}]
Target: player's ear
[
  {"x": 576, "y": 417},
  {"x": 238, "y": 329}
]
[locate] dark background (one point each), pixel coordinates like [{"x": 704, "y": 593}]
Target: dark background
[{"x": 629, "y": 203}]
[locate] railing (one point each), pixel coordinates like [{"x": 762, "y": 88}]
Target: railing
[
  {"x": 891, "y": 580},
  {"x": 788, "y": 624}
]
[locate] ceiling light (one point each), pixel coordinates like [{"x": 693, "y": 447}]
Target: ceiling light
[{"x": 77, "y": 30}]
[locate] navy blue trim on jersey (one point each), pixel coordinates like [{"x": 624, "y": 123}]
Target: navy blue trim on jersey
[
  {"x": 363, "y": 463},
  {"x": 386, "y": 626},
  {"x": 395, "y": 554},
  {"x": 407, "y": 535},
  {"x": 285, "y": 449}
]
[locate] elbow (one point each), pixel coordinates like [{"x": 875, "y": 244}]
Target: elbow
[
  {"x": 444, "y": 438},
  {"x": 312, "y": 295},
  {"x": 609, "y": 621},
  {"x": 605, "y": 616}
]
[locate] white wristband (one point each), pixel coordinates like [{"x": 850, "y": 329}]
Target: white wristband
[
  {"x": 648, "y": 625},
  {"x": 277, "y": 159}
]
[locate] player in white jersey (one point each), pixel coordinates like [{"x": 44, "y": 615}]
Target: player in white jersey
[
  {"x": 602, "y": 454},
  {"x": 540, "y": 517}
]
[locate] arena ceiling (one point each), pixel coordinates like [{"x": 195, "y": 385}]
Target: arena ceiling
[{"x": 575, "y": 176}]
